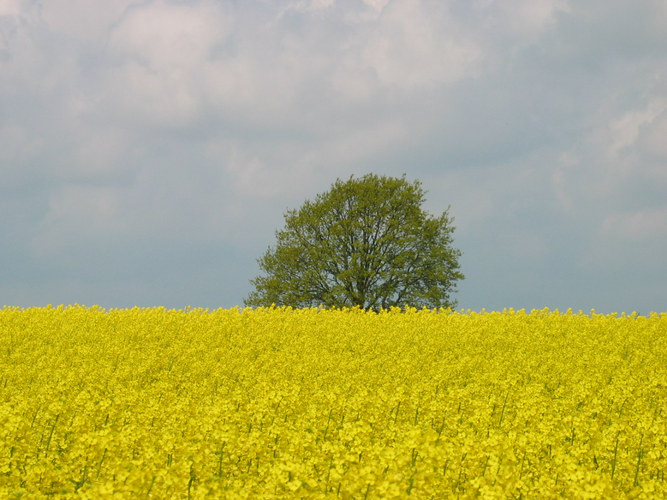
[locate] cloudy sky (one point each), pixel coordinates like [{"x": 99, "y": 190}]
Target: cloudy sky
[{"x": 148, "y": 149}]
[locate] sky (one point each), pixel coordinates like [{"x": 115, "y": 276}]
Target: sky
[{"x": 149, "y": 149}]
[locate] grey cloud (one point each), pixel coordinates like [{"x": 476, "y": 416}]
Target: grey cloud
[{"x": 148, "y": 149}]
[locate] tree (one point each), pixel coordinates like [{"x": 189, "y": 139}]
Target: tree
[{"x": 366, "y": 242}]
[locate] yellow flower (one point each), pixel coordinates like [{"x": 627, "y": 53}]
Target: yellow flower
[{"x": 259, "y": 403}]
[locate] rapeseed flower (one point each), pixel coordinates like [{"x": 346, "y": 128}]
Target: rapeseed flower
[{"x": 317, "y": 403}]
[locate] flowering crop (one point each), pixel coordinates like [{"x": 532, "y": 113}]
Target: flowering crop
[{"x": 294, "y": 403}]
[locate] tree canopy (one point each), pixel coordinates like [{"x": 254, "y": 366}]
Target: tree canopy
[{"x": 366, "y": 242}]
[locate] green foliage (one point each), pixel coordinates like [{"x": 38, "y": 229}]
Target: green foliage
[{"x": 366, "y": 242}]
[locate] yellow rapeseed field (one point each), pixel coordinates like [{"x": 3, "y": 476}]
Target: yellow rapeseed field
[{"x": 314, "y": 403}]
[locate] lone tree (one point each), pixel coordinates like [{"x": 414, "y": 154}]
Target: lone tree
[{"x": 366, "y": 242}]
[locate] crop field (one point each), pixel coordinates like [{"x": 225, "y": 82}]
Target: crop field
[{"x": 314, "y": 403}]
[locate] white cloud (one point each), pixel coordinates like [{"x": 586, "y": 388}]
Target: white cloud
[
  {"x": 258, "y": 90},
  {"x": 638, "y": 225},
  {"x": 652, "y": 136},
  {"x": 154, "y": 99},
  {"x": 363, "y": 145},
  {"x": 625, "y": 130},
  {"x": 417, "y": 45},
  {"x": 164, "y": 36},
  {"x": 250, "y": 176},
  {"x": 308, "y": 5},
  {"x": 164, "y": 52},
  {"x": 82, "y": 19},
  {"x": 529, "y": 18},
  {"x": 10, "y": 7},
  {"x": 624, "y": 155},
  {"x": 377, "y": 5}
]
